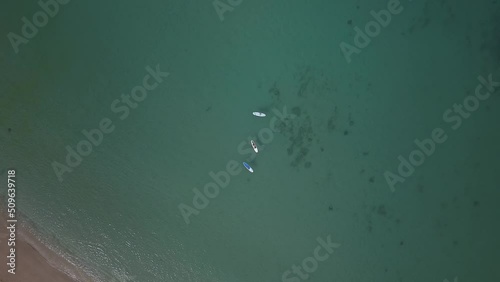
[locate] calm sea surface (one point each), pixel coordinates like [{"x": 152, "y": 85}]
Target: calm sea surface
[{"x": 337, "y": 121}]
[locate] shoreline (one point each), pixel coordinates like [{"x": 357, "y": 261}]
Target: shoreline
[{"x": 35, "y": 261}]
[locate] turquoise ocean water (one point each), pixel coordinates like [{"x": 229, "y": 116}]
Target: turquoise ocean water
[{"x": 320, "y": 174}]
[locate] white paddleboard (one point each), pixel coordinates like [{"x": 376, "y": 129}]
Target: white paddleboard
[{"x": 254, "y": 146}]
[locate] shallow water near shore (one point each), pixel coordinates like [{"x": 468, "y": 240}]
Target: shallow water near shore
[{"x": 321, "y": 173}]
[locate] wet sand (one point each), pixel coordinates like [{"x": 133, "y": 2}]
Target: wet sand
[{"x": 31, "y": 265}]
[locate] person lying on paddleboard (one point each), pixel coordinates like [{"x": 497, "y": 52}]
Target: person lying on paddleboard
[{"x": 254, "y": 146}]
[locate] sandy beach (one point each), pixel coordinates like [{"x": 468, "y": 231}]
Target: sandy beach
[{"x": 31, "y": 265}]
